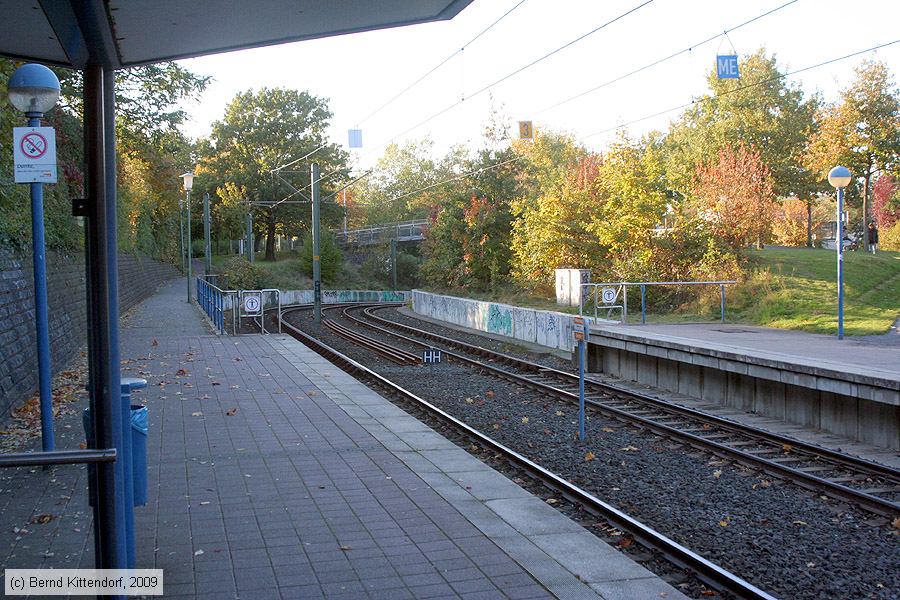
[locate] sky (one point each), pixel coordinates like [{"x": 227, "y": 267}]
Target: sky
[{"x": 359, "y": 73}]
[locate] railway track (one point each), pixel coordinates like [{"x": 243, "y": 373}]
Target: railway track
[
  {"x": 707, "y": 571},
  {"x": 869, "y": 485}
]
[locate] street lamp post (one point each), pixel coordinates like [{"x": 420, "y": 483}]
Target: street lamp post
[
  {"x": 34, "y": 90},
  {"x": 188, "y": 179},
  {"x": 839, "y": 177}
]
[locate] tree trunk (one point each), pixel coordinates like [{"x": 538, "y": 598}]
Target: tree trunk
[
  {"x": 257, "y": 241},
  {"x": 270, "y": 238},
  {"x": 809, "y": 242}
]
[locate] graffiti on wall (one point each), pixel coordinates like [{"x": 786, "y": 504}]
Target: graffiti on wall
[{"x": 499, "y": 320}]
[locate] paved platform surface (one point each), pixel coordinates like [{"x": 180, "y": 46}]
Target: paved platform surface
[
  {"x": 874, "y": 356},
  {"x": 275, "y": 475}
]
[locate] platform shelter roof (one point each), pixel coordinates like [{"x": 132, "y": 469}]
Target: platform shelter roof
[{"x": 123, "y": 33}]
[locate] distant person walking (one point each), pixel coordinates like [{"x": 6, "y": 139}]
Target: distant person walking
[{"x": 873, "y": 237}]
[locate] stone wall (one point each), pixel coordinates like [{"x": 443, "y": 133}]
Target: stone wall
[{"x": 138, "y": 278}]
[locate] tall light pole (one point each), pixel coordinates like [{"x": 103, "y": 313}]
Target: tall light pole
[
  {"x": 34, "y": 90},
  {"x": 181, "y": 232},
  {"x": 316, "y": 264},
  {"x": 188, "y": 179},
  {"x": 839, "y": 177}
]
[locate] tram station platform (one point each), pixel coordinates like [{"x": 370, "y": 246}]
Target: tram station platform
[
  {"x": 849, "y": 387},
  {"x": 273, "y": 474}
]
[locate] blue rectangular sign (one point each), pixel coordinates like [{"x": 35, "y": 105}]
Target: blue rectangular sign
[
  {"x": 355, "y": 136},
  {"x": 727, "y": 66}
]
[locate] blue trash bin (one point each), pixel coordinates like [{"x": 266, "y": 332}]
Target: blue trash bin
[{"x": 139, "y": 429}]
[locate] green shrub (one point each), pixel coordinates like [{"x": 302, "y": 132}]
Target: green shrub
[
  {"x": 330, "y": 257},
  {"x": 238, "y": 274}
]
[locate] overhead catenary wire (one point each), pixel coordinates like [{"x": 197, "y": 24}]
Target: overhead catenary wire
[
  {"x": 524, "y": 68},
  {"x": 743, "y": 87},
  {"x": 439, "y": 65},
  {"x": 707, "y": 99},
  {"x": 664, "y": 59}
]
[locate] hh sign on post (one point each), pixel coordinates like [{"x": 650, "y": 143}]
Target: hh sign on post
[{"x": 34, "y": 154}]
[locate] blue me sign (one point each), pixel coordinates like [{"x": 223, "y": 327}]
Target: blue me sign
[{"x": 727, "y": 66}]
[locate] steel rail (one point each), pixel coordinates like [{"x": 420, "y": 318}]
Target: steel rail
[
  {"x": 807, "y": 480},
  {"x": 706, "y": 570},
  {"x": 874, "y": 468},
  {"x": 394, "y": 354}
]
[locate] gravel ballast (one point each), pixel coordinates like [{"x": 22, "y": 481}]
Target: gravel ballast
[{"x": 776, "y": 535}]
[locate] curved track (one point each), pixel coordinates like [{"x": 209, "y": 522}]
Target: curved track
[{"x": 872, "y": 486}]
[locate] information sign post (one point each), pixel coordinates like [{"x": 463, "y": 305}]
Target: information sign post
[
  {"x": 581, "y": 333},
  {"x": 34, "y": 90}
]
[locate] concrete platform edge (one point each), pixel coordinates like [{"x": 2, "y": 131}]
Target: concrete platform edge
[{"x": 559, "y": 553}]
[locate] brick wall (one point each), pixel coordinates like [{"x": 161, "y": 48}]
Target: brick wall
[{"x": 138, "y": 278}]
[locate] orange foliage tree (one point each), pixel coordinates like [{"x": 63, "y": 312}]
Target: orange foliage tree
[{"x": 735, "y": 195}]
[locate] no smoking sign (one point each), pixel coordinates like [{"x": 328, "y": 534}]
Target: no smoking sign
[{"x": 34, "y": 154}]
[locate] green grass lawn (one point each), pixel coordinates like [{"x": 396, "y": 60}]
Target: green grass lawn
[{"x": 797, "y": 289}]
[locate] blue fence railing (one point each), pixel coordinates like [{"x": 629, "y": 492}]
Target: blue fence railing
[{"x": 212, "y": 300}]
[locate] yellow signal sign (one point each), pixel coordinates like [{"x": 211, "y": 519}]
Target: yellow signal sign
[{"x": 526, "y": 131}]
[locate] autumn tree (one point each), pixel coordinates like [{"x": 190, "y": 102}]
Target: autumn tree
[
  {"x": 886, "y": 201},
  {"x": 247, "y": 151},
  {"x": 861, "y": 131},
  {"x": 735, "y": 194},
  {"x": 793, "y": 221},
  {"x": 406, "y": 182},
  {"x": 763, "y": 110}
]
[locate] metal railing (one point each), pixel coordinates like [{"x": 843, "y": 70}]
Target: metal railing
[
  {"x": 213, "y": 299},
  {"x": 405, "y": 231},
  {"x": 258, "y": 316},
  {"x": 57, "y": 457},
  {"x": 606, "y": 295},
  {"x": 215, "y": 302}
]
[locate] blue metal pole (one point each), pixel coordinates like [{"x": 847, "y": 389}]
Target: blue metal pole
[
  {"x": 41, "y": 310},
  {"x": 840, "y": 261},
  {"x": 643, "y": 305},
  {"x": 123, "y": 467},
  {"x": 722, "y": 300},
  {"x": 128, "y": 471},
  {"x": 582, "y": 346}
]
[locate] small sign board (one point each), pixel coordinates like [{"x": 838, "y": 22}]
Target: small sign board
[
  {"x": 608, "y": 294},
  {"x": 727, "y": 66},
  {"x": 431, "y": 355},
  {"x": 355, "y": 138},
  {"x": 526, "y": 131},
  {"x": 34, "y": 154},
  {"x": 579, "y": 335},
  {"x": 252, "y": 302}
]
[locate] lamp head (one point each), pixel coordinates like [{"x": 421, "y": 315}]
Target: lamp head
[
  {"x": 839, "y": 177},
  {"x": 188, "y": 179},
  {"x": 33, "y": 88}
]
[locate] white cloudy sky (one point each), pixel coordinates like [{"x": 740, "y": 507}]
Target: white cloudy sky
[{"x": 360, "y": 72}]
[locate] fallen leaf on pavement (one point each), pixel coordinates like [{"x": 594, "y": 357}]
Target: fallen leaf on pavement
[{"x": 231, "y": 412}]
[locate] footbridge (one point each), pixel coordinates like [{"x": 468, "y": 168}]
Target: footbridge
[{"x": 407, "y": 231}]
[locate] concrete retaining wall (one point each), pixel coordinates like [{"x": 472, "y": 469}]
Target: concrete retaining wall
[
  {"x": 864, "y": 410},
  {"x": 138, "y": 278},
  {"x": 543, "y": 327}
]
